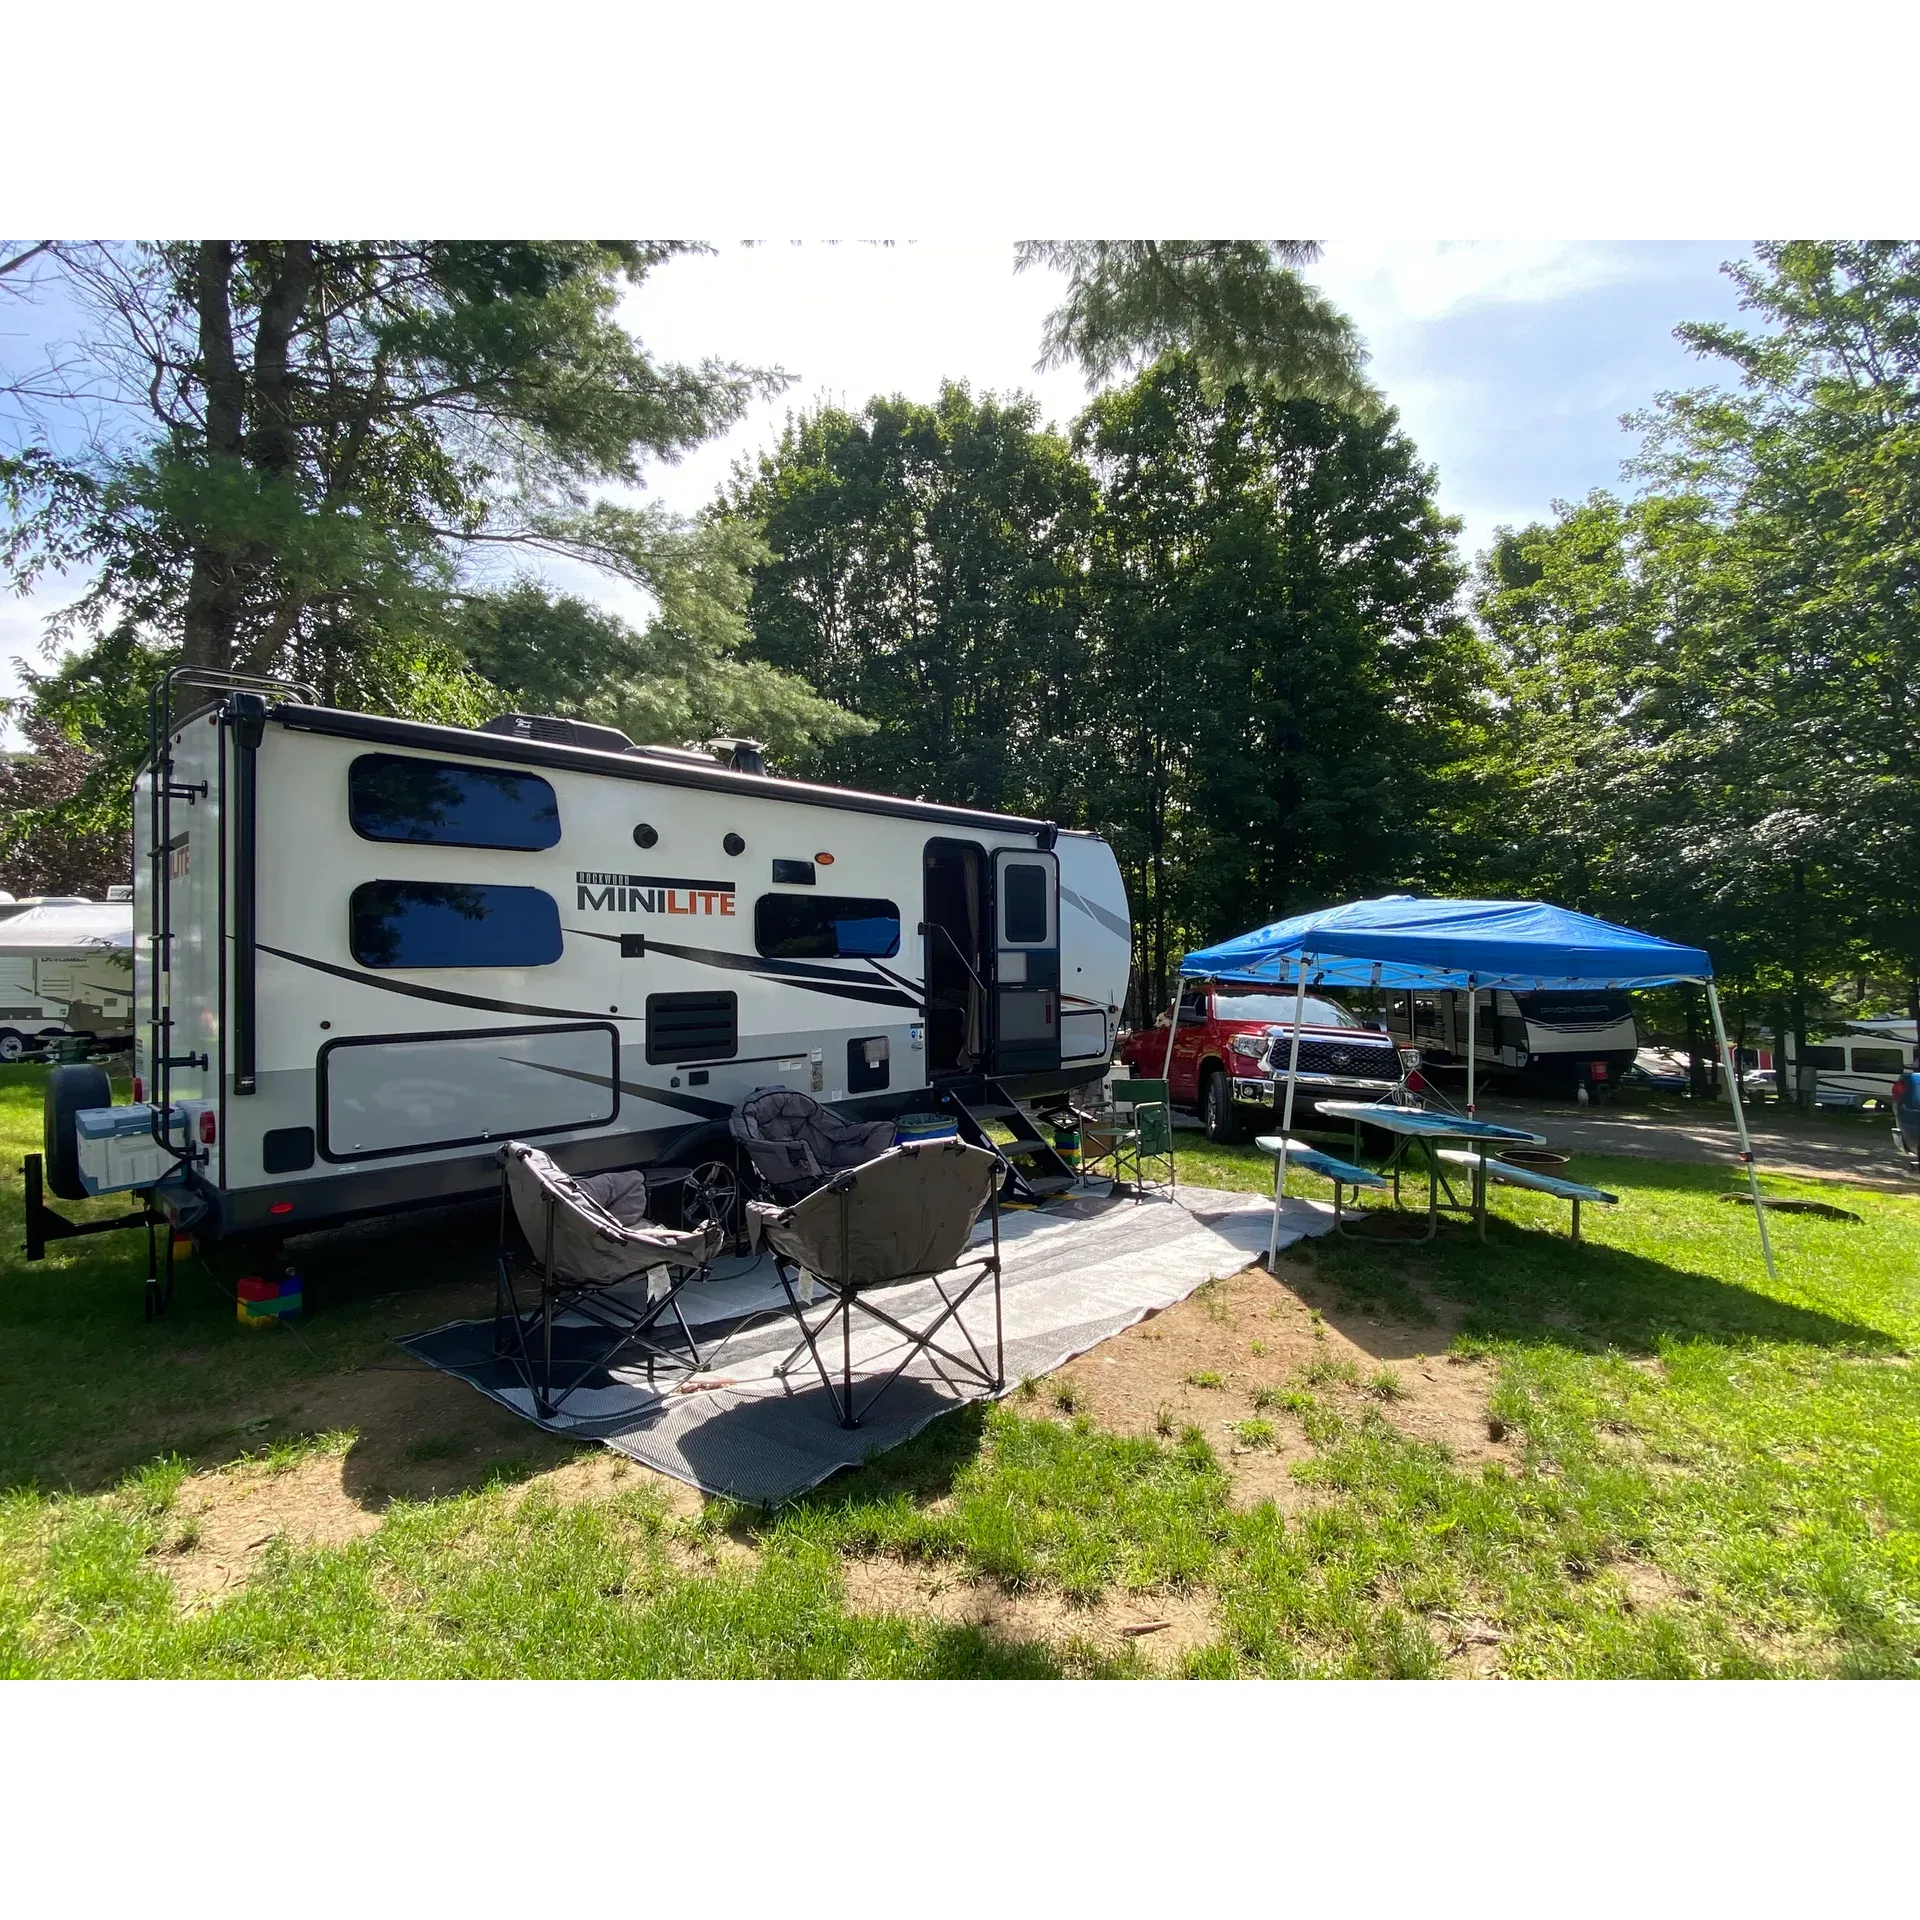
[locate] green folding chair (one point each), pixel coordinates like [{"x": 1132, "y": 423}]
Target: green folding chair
[{"x": 1132, "y": 1137}]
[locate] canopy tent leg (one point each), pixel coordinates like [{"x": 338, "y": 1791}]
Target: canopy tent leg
[
  {"x": 1286, "y": 1122},
  {"x": 1740, "y": 1121},
  {"x": 1173, "y": 1027},
  {"x": 1473, "y": 1007}
]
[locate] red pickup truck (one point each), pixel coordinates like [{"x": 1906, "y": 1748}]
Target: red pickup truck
[{"x": 1231, "y": 1043}]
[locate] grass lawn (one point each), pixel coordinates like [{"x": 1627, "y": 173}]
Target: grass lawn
[{"x": 1695, "y": 1473}]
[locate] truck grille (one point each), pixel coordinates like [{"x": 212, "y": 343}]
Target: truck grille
[{"x": 1346, "y": 1059}]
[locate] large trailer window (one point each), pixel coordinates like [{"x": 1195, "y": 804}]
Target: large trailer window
[
  {"x": 444, "y": 804},
  {"x": 1879, "y": 1060},
  {"x": 431, "y": 923},
  {"x": 798, "y": 926}
]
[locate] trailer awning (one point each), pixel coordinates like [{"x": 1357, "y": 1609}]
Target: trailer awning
[
  {"x": 1399, "y": 941},
  {"x": 82, "y": 928}
]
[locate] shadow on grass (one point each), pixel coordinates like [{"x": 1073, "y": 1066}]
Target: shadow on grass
[
  {"x": 922, "y": 1469},
  {"x": 1526, "y": 1284}
]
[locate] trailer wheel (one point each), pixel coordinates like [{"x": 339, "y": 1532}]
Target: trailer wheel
[
  {"x": 711, "y": 1197},
  {"x": 70, "y": 1090},
  {"x": 12, "y": 1047}
]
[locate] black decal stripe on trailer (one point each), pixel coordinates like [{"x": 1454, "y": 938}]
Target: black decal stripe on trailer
[
  {"x": 662, "y": 1096},
  {"x": 1113, "y": 922},
  {"x": 899, "y": 979},
  {"x": 786, "y": 973},
  {"x": 443, "y": 995}
]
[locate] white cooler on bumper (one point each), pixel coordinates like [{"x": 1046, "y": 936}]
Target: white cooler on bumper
[{"x": 117, "y": 1150}]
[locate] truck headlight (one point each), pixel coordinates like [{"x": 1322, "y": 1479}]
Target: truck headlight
[{"x": 1251, "y": 1046}]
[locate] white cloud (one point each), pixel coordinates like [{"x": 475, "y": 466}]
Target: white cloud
[
  {"x": 848, "y": 321},
  {"x": 1392, "y": 285}
]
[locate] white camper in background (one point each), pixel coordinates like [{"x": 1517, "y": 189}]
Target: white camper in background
[
  {"x": 369, "y": 950},
  {"x": 1856, "y": 1067},
  {"x": 66, "y": 967},
  {"x": 1558, "y": 1040}
]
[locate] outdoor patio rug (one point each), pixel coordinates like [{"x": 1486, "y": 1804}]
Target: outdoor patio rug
[{"x": 1071, "y": 1276}]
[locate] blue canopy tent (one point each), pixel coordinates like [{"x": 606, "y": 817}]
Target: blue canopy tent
[{"x": 1525, "y": 946}]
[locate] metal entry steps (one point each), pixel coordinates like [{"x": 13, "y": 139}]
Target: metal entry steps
[{"x": 1035, "y": 1167}]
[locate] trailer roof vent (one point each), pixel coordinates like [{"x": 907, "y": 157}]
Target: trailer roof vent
[
  {"x": 559, "y": 733},
  {"x": 742, "y": 755}
]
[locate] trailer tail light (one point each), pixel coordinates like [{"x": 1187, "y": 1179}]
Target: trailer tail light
[
  {"x": 208, "y": 1128},
  {"x": 139, "y": 1090},
  {"x": 281, "y": 1206}
]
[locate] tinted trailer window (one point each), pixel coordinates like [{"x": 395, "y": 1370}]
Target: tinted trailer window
[
  {"x": 431, "y": 923},
  {"x": 444, "y": 804},
  {"x": 800, "y": 926}
]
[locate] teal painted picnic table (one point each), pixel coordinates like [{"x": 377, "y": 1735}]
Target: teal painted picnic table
[{"x": 1413, "y": 1126}]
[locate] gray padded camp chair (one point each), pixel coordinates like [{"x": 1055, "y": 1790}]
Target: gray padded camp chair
[
  {"x": 588, "y": 1236},
  {"x": 793, "y": 1143},
  {"x": 907, "y": 1215}
]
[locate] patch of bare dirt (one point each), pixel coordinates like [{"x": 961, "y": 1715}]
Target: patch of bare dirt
[
  {"x": 221, "y": 1523},
  {"x": 1160, "y": 1627},
  {"x": 1470, "y": 1645},
  {"x": 418, "y": 1436},
  {"x": 1206, "y": 1360},
  {"x": 1646, "y": 1588}
]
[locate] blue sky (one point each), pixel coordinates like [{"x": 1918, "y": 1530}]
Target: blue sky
[{"x": 1511, "y": 362}]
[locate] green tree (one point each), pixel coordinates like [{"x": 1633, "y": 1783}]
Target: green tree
[
  {"x": 1820, "y": 449},
  {"x": 339, "y": 449},
  {"x": 1651, "y": 764},
  {"x": 1240, "y": 308},
  {"x": 336, "y": 430},
  {"x": 680, "y": 679},
  {"x": 926, "y": 570},
  {"x": 1281, "y": 677}
]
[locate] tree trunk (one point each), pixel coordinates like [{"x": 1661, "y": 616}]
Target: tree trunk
[
  {"x": 213, "y": 588},
  {"x": 1777, "y": 1019},
  {"x": 1696, "y": 1065}
]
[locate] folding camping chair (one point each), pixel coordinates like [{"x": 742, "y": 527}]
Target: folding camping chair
[
  {"x": 588, "y": 1237},
  {"x": 907, "y": 1215},
  {"x": 793, "y": 1143},
  {"x": 1134, "y": 1131}
]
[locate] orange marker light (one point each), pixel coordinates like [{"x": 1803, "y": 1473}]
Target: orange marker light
[{"x": 823, "y": 859}]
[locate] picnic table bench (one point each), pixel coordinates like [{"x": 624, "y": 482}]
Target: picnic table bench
[
  {"x": 1534, "y": 1181},
  {"x": 1299, "y": 1153}
]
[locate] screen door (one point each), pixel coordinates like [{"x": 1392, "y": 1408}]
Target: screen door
[{"x": 1026, "y": 962}]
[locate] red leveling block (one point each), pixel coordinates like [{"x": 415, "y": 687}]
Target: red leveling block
[{"x": 264, "y": 1301}]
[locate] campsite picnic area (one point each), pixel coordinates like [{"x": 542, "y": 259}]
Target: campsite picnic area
[{"x": 1633, "y": 1455}]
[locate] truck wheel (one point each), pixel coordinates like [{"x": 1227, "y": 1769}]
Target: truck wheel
[
  {"x": 1224, "y": 1125},
  {"x": 12, "y": 1046},
  {"x": 70, "y": 1090}
]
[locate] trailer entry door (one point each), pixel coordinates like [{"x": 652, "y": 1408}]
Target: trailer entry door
[{"x": 1026, "y": 962}]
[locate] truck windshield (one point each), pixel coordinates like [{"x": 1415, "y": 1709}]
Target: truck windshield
[{"x": 1277, "y": 1010}]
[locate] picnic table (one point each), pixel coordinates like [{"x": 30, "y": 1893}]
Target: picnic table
[
  {"x": 1413, "y": 1126},
  {"x": 1535, "y": 1181}
]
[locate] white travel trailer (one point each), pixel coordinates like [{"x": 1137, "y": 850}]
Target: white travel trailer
[
  {"x": 369, "y": 950},
  {"x": 66, "y": 967},
  {"x": 1856, "y": 1067},
  {"x": 1558, "y": 1039}
]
